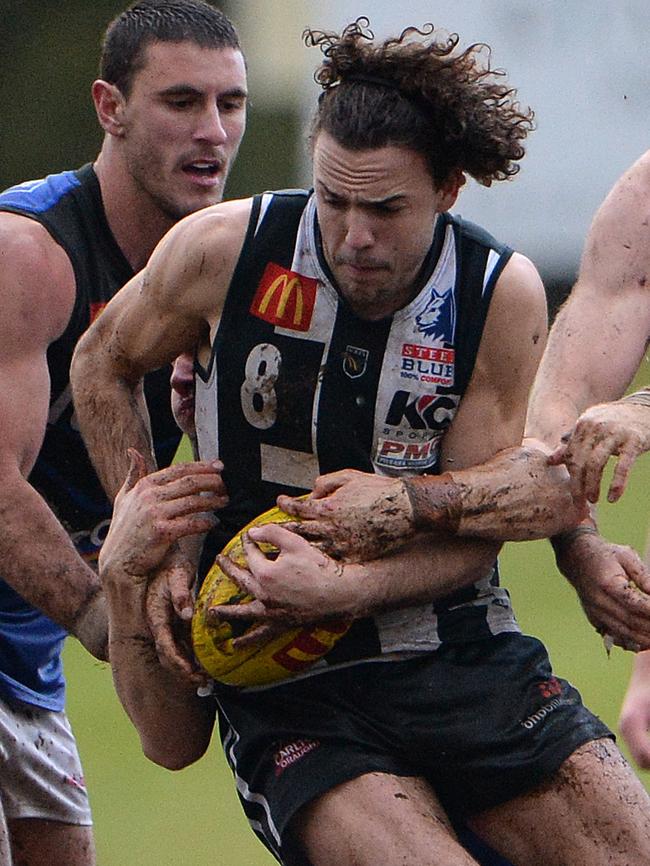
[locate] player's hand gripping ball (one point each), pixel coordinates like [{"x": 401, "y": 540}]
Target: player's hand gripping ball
[{"x": 279, "y": 658}]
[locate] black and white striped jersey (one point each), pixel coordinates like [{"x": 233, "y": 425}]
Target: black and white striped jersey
[{"x": 298, "y": 385}]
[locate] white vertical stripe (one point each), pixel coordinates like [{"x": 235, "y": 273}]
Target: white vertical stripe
[
  {"x": 493, "y": 258},
  {"x": 230, "y": 742},
  {"x": 266, "y": 201}
]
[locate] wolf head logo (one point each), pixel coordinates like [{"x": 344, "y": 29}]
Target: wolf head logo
[{"x": 438, "y": 319}]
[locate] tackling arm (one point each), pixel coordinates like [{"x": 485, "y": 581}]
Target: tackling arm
[
  {"x": 512, "y": 494},
  {"x": 599, "y": 337}
]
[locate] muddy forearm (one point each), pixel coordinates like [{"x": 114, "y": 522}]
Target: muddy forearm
[
  {"x": 173, "y": 723},
  {"x": 105, "y": 401},
  {"x": 39, "y": 561},
  {"x": 514, "y": 496}
]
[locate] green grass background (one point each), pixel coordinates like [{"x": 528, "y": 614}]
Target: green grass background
[{"x": 146, "y": 815}]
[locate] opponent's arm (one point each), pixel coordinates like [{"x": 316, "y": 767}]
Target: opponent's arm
[
  {"x": 37, "y": 558},
  {"x": 151, "y": 513},
  {"x": 600, "y": 335}
]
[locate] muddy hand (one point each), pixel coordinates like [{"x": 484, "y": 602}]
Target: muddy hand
[
  {"x": 153, "y": 511},
  {"x": 607, "y": 430},
  {"x": 351, "y": 515},
  {"x": 612, "y": 583},
  {"x": 171, "y": 589}
]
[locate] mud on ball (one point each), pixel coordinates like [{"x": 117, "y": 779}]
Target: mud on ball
[{"x": 282, "y": 657}]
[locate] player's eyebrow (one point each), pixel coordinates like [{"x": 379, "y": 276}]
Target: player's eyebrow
[
  {"x": 191, "y": 90},
  {"x": 372, "y": 202}
]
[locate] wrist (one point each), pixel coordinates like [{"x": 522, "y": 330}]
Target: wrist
[
  {"x": 362, "y": 595},
  {"x": 91, "y": 625},
  {"x": 564, "y": 540},
  {"x": 436, "y": 501}
]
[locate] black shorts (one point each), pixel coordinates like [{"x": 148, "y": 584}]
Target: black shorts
[{"x": 482, "y": 722}]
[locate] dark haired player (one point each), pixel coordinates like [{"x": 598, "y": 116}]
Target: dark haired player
[{"x": 171, "y": 99}]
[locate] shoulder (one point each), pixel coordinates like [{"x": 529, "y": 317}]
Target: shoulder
[
  {"x": 200, "y": 254},
  {"x": 206, "y": 241},
  {"x": 519, "y": 288},
  {"x": 36, "y": 275},
  {"x": 618, "y": 242},
  {"x": 517, "y": 321}
]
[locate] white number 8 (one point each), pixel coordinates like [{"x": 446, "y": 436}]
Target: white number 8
[{"x": 259, "y": 401}]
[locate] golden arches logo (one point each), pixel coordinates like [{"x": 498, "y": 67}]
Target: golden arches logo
[{"x": 286, "y": 287}]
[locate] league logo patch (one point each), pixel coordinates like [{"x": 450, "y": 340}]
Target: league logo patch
[
  {"x": 438, "y": 319},
  {"x": 285, "y": 299},
  {"x": 355, "y": 361}
]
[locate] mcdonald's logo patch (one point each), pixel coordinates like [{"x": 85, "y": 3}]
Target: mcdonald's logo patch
[{"x": 285, "y": 298}]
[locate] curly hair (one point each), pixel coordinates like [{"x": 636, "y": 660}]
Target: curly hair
[{"x": 416, "y": 91}]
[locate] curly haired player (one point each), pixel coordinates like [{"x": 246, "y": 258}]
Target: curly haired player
[{"x": 362, "y": 326}]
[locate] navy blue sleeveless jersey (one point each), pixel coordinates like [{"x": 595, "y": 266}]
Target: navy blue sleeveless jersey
[
  {"x": 298, "y": 385},
  {"x": 69, "y": 206}
]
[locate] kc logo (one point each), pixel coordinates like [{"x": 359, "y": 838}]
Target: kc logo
[{"x": 285, "y": 298}]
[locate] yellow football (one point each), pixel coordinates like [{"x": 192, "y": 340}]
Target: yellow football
[{"x": 282, "y": 657}]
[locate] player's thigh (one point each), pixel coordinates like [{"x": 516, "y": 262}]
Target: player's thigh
[
  {"x": 36, "y": 842},
  {"x": 378, "y": 818},
  {"x": 593, "y": 811}
]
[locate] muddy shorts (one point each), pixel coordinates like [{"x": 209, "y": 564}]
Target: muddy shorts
[
  {"x": 40, "y": 771},
  {"x": 482, "y": 722}
]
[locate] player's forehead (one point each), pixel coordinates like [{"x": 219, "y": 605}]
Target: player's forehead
[
  {"x": 371, "y": 175},
  {"x": 168, "y": 66}
]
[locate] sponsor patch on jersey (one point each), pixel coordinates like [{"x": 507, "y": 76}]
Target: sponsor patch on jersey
[
  {"x": 288, "y": 753},
  {"x": 284, "y": 298},
  {"x": 395, "y": 454},
  {"x": 437, "y": 320},
  {"x": 355, "y": 361},
  {"x": 421, "y": 411},
  {"x": 431, "y": 364}
]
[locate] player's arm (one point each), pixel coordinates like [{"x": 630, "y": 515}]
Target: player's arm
[
  {"x": 359, "y": 516},
  {"x": 599, "y": 337},
  {"x": 171, "y": 307},
  {"x": 152, "y": 511},
  {"x": 303, "y": 584},
  {"x": 502, "y": 491},
  {"x": 37, "y": 558}
]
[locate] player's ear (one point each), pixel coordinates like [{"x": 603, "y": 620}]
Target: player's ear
[
  {"x": 109, "y": 105},
  {"x": 449, "y": 190}
]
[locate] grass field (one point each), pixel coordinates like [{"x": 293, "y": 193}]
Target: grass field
[{"x": 145, "y": 815}]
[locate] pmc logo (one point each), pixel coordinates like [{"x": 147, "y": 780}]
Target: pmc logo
[{"x": 285, "y": 298}]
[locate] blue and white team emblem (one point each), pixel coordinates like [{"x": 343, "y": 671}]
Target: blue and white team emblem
[
  {"x": 355, "y": 361},
  {"x": 438, "y": 319}
]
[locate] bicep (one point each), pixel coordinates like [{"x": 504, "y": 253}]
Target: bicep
[
  {"x": 169, "y": 307},
  {"x": 492, "y": 412},
  {"x": 600, "y": 335},
  {"x": 136, "y": 332},
  {"x": 37, "y": 290},
  {"x": 24, "y": 403}
]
